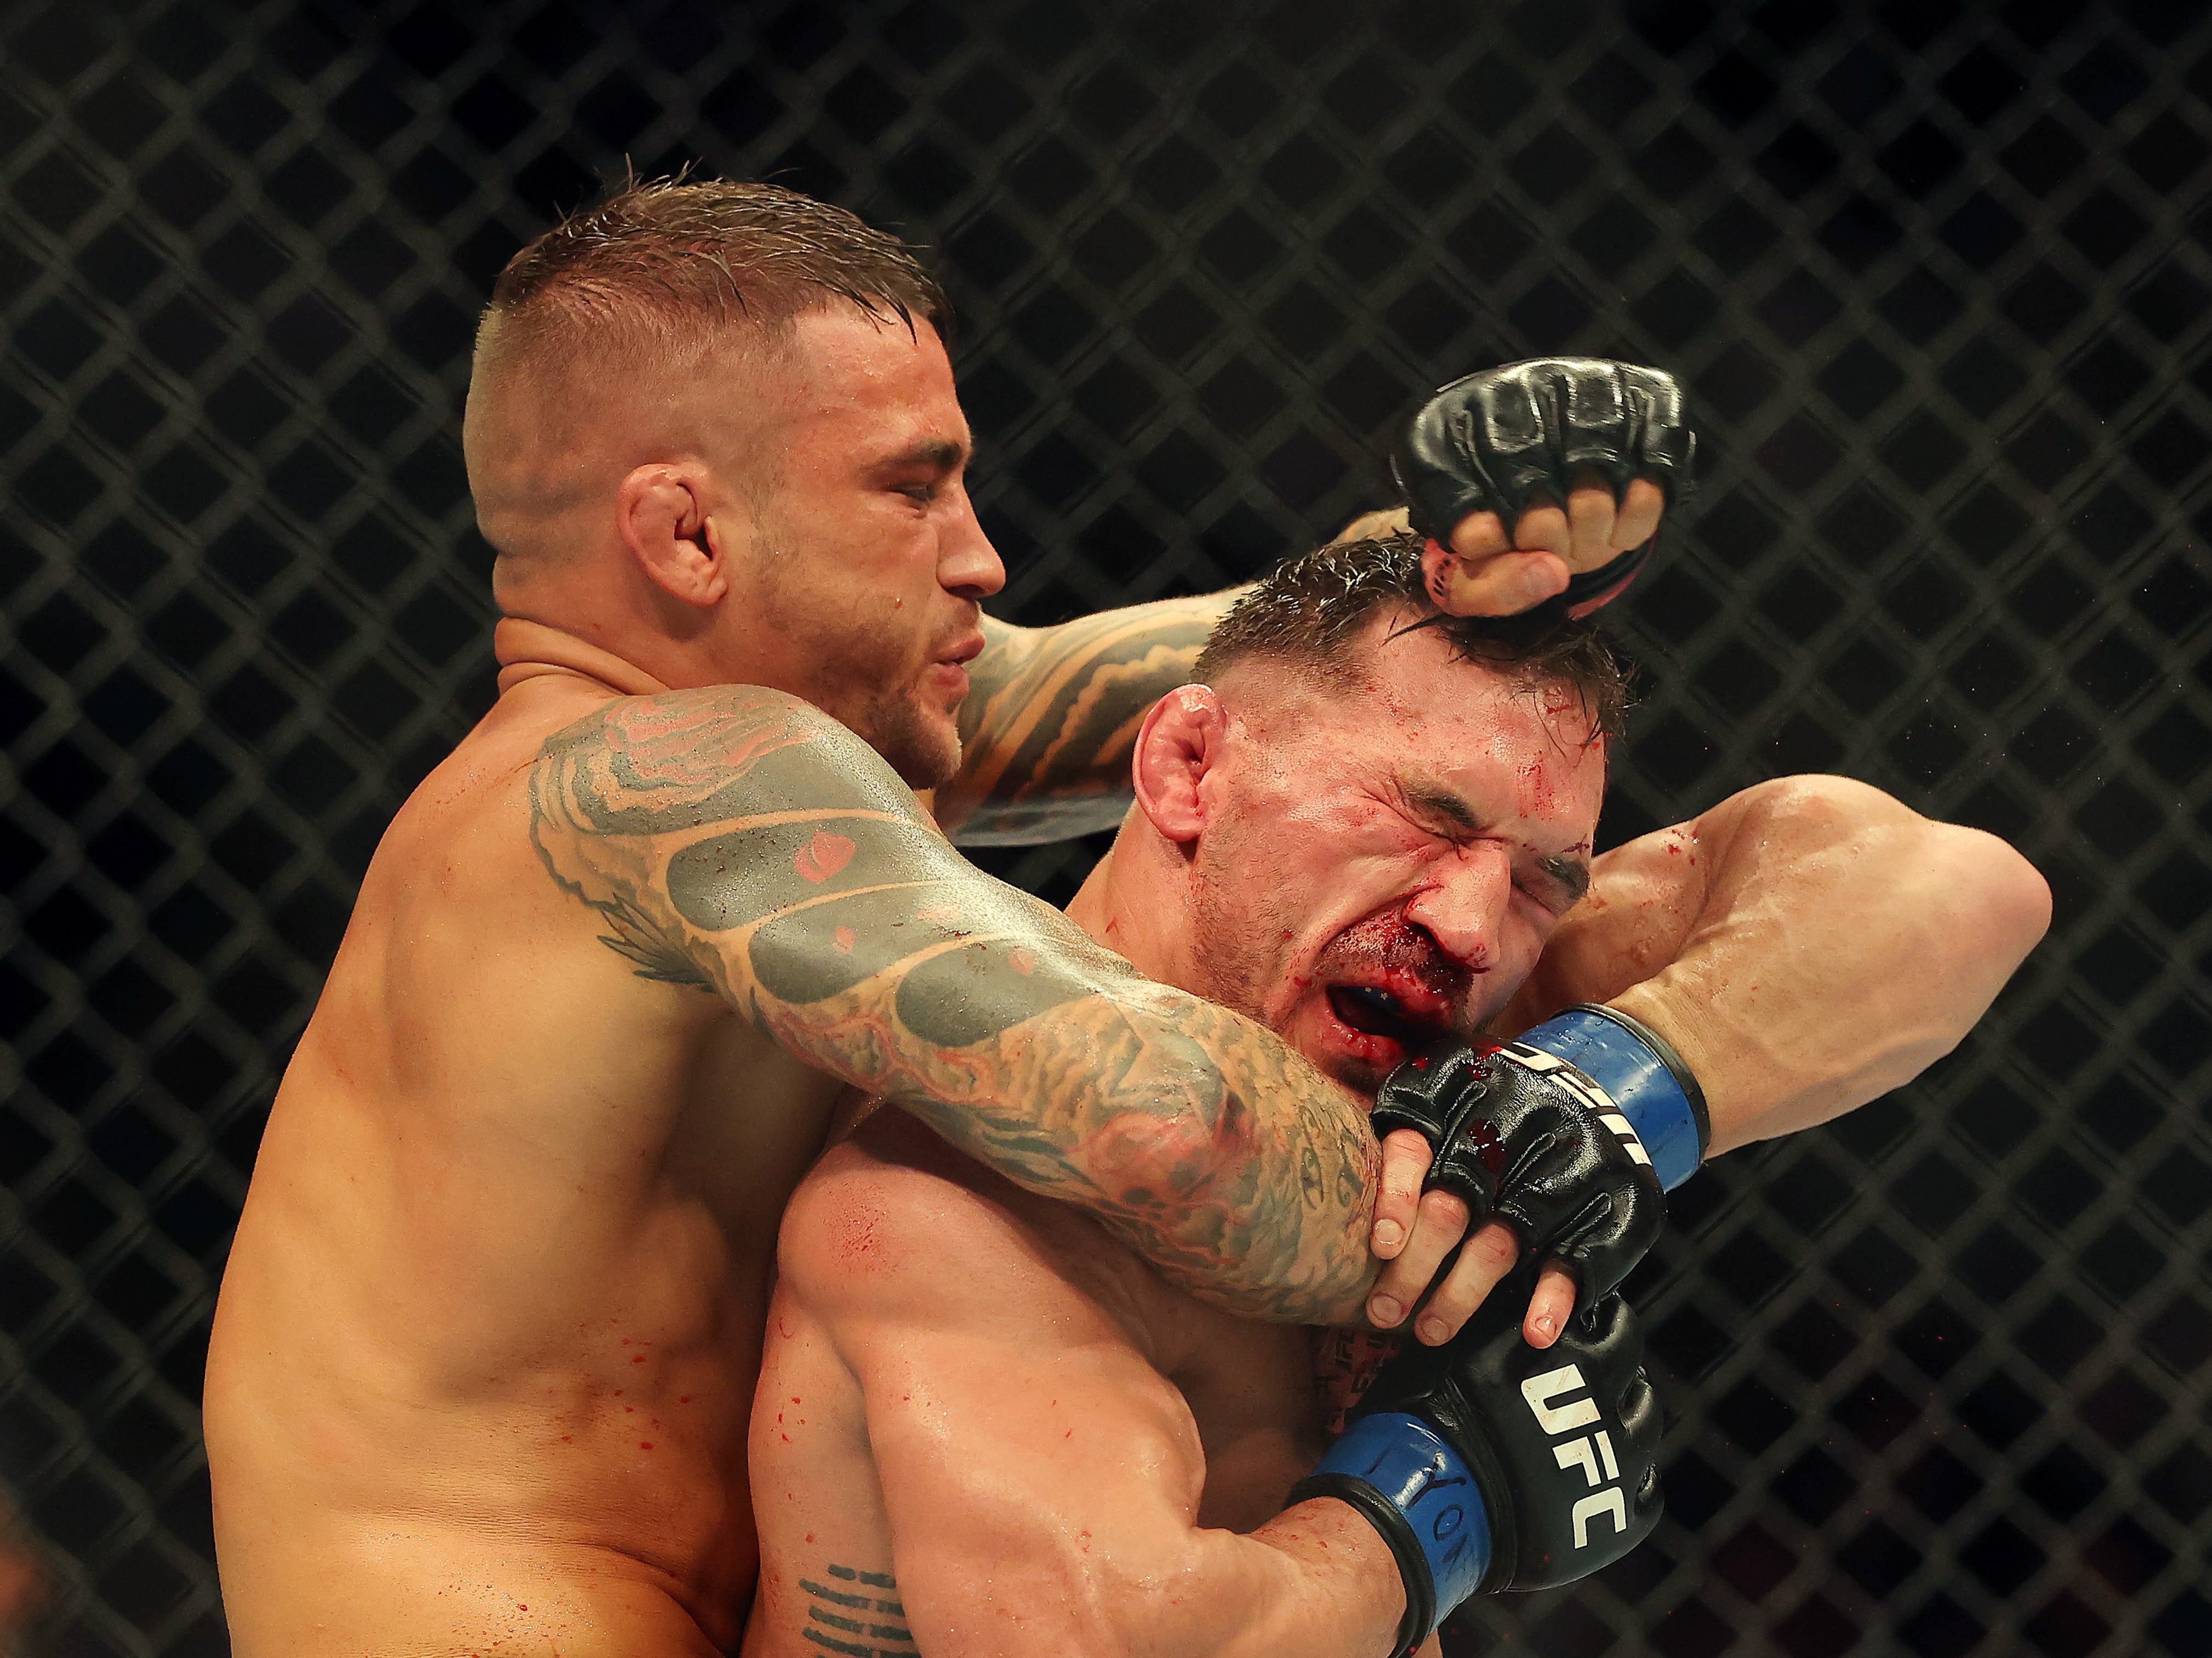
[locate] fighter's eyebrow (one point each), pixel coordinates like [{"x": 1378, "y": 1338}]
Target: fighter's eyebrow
[
  {"x": 940, "y": 454},
  {"x": 1434, "y": 801},
  {"x": 1569, "y": 869}
]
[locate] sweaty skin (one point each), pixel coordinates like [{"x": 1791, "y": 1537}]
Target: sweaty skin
[
  {"x": 1048, "y": 1448},
  {"x": 489, "y": 1329},
  {"x": 1045, "y": 1448}
]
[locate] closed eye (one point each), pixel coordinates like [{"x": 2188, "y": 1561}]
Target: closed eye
[{"x": 1557, "y": 882}]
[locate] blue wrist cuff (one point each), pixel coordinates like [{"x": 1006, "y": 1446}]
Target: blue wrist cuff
[
  {"x": 1419, "y": 1474},
  {"x": 1651, "y": 1087}
]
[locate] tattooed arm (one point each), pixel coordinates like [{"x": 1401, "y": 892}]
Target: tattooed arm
[
  {"x": 1047, "y": 728},
  {"x": 1053, "y": 713},
  {"x": 741, "y": 840}
]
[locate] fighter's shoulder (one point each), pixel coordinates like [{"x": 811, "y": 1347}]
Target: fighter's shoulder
[
  {"x": 893, "y": 1224},
  {"x": 728, "y": 748}
]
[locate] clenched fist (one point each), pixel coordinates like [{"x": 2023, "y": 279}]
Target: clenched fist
[{"x": 1578, "y": 457}]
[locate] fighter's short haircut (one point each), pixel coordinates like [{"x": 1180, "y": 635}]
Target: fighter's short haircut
[
  {"x": 664, "y": 269},
  {"x": 1313, "y": 611}
]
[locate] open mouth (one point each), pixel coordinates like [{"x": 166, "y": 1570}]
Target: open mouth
[{"x": 1373, "y": 1011}]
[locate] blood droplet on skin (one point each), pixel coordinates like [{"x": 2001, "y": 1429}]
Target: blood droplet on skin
[
  {"x": 853, "y": 1234},
  {"x": 845, "y": 939},
  {"x": 683, "y": 1399},
  {"x": 822, "y": 857},
  {"x": 645, "y": 1444},
  {"x": 637, "y": 1359}
]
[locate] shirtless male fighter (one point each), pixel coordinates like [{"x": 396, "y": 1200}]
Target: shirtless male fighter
[
  {"x": 487, "y": 1341},
  {"x": 985, "y": 1427}
]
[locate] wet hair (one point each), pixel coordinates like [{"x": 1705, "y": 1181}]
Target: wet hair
[
  {"x": 1313, "y": 612},
  {"x": 664, "y": 269}
]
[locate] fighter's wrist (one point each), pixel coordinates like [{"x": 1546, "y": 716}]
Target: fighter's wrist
[
  {"x": 1640, "y": 1071},
  {"x": 1409, "y": 1483}
]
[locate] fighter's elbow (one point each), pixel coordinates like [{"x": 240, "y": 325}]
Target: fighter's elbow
[
  {"x": 1992, "y": 904},
  {"x": 2000, "y": 903},
  {"x": 1174, "y": 1153}
]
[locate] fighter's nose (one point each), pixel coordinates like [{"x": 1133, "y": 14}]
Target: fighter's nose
[{"x": 1465, "y": 907}]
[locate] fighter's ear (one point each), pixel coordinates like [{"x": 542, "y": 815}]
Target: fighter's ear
[
  {"x": 1179, "y": 743},
  {"x": 676, "y": 540}
]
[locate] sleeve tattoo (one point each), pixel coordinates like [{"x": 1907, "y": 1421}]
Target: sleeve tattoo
[
  {"x": 1051, "y": 723},
  {"x": 737, "y": 840}
]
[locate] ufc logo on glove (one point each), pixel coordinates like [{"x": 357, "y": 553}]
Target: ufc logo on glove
[{"x": 1584, "y": 1452}]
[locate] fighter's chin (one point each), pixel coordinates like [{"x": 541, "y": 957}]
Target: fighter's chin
[{"x": 920, "y": 744}]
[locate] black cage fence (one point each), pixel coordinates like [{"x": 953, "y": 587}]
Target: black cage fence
[{"x": 1935, "y": 274}]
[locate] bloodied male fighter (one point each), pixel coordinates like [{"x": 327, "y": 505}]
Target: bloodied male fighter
[
  {"x": 487, "y": 1342},
  {"x": 986, "y": 1427}
]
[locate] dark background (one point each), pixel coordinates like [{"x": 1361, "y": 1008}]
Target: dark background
[{"x": 1934, "y": 275}]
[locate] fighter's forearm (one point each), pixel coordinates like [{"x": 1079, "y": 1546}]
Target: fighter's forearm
[
  {"x": 742, "y": 841},
  {"x": 1051, "y": 715},
  {"x": 1808, "y": 945},
  {"x": 1316, "y": 1582}
]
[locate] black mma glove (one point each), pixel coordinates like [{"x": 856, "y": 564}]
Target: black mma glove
[
  {"x": 1505, "y": 438},
  {"x": 1569, "y": 1136},
  {"x": 1489, "y": 1465}
]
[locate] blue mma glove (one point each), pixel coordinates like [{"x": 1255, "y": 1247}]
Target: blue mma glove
[
  {"x": 1569, "y": 1136},
  {"x": 1488, "y": 1464}
]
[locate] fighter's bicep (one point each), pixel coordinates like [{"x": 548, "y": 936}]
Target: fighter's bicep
[
  {"x": 743, "y": 841},
  {"x": 1028, "y": 1474},
  {"x": 883, "y": 918}
]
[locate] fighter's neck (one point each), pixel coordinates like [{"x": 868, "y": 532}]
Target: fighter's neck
[
  {"x": 1120, "y": 908},
  {"x": 530, "y": 650}
]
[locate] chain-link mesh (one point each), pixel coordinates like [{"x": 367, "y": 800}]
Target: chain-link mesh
[{"x": 1936, "y": 277}]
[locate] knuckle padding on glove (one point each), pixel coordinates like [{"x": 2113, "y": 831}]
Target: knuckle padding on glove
[
  {"x": 1519, "y": 1149},
  {"x": 1505, "y": 438}
]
